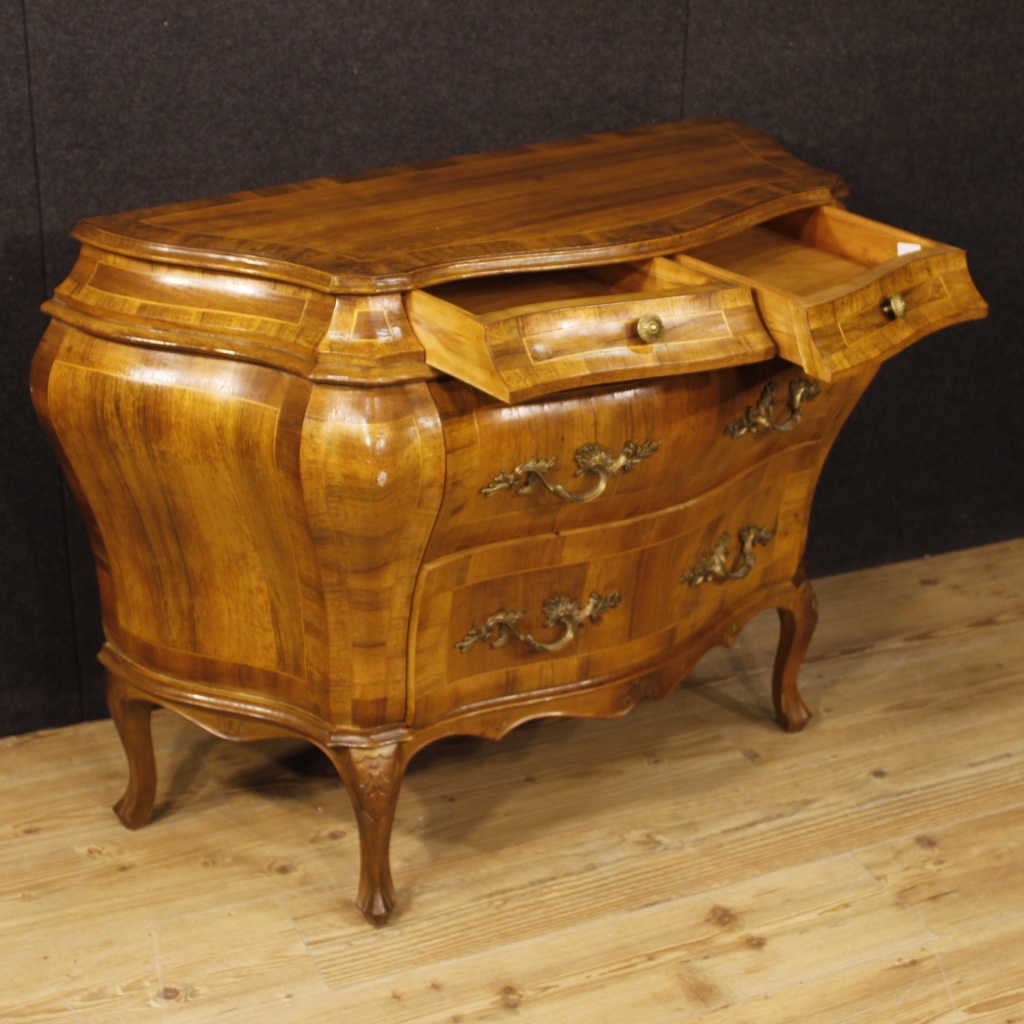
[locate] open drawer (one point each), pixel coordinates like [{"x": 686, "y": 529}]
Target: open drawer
[
  {"x": 837, "y": 290},
  {"x": 517, "y": 336}
]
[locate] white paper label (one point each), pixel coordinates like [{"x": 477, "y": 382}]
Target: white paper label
[{"x": 902, "y": 248}]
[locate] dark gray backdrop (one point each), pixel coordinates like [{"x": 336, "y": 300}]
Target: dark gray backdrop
[{"x": 115, "y": 104}]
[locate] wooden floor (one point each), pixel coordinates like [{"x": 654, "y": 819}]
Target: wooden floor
[{"x": 688, "y": 862}]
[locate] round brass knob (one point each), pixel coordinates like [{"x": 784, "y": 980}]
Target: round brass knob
[
  {"x": 895, "y": 307},
  {"x": 649, "y": 327}
]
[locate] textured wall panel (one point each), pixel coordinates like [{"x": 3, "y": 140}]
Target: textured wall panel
[
  {"x": 921, "y": 106},
  {"x": 38, "y": 674},
  {"x": 140, "y": 104}
]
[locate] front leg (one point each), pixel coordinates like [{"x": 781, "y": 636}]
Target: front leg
[
  {"x": 131, "y": 712},
  {"x": 796, "y": 627},
  {"x": 373, "y": 777}
]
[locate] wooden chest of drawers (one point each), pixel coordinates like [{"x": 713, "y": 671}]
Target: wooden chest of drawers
[{"x": 444, "y": 448}]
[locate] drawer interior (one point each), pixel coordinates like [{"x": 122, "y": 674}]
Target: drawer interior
[
  {"x": 516, "y": 293},
  {"x": 808, "y": 251}
]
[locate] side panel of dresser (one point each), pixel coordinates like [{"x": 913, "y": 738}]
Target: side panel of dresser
[{"x": 256, "y": 535}]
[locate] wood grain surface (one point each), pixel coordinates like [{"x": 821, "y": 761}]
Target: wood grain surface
[
  {"x": 512, "y": 339},
  {"x": 822, "y": 278},
  {"x": 263, "y": 463},
  {"x": 689, "y": 862},
  {"x": 567, "y": 203}
]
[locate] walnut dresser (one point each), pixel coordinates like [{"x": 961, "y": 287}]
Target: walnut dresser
[{"x": 438, "y": 449}]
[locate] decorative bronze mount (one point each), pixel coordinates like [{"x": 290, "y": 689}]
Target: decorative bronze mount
[
  {"x": 715, "y": 567},
  {"x": 758, "y": 418},
  {"x": 590, "y": 458},
  {"x": 557, "y": 610}
]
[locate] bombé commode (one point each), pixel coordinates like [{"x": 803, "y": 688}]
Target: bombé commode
[{"x": 439, "y": 449}]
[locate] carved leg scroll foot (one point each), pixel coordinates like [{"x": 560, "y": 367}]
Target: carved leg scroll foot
[
  {"x": 796, "y": 627},
  {"x": 373, "y": 777},
  {"x": 131, "y": 713}
]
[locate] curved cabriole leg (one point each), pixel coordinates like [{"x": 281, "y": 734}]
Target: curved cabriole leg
[
  {"x": 373, "y": 777},
  {"x": 131, "y": 713},
  {"x": 796, "y": 627}
]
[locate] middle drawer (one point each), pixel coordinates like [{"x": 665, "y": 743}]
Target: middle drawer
[{"x": 602, "y": 455}]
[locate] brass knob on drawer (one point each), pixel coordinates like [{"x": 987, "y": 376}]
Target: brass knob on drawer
[
  {"x": 894, "y": 307},
  {"x": 650, "y": 328}
]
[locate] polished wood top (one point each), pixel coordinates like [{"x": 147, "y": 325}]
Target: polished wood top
[{"x": 601, "y": 198}]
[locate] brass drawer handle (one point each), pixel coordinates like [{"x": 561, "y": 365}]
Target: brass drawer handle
[
  {"x": 590, "y": 458},
  {"x": 650, "y": 328},
  {"x": 894, "y": 307},
  {"x": 563, "y": 611},
  {"x": 715, "y": 567},
  {"x": 758, "y": 419}
]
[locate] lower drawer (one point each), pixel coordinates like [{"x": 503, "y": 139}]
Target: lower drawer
[{"x": 566, "y": 609}]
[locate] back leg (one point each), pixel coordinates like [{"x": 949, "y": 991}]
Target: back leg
[
  {"x": 796, "y": 627},
  {"x": 131, "y": 712}
]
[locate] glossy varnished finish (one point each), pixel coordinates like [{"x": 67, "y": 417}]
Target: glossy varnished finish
[
  {"x": 822, "y": 278},
  {"x": 686, "y": 414},
  {"x": 599, "y": 199},
  {"x": 524, "y": 335},
  {"x": 343, "y": 485}
]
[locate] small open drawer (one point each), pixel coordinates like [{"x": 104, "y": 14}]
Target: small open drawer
[
  {"x": 517, "y": 336},
  {"x": 837, "y": 290}
]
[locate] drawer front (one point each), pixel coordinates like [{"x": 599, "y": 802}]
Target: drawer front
[
  {"x": 885, "y": 315},
  {"x": 536, "y": 334},
  {"x": 837, "y": 290},
  {"x": 593, "y": 457},
  {"x": 551, "y": 612}
]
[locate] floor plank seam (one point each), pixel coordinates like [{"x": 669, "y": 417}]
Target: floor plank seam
[
  {"x": 950, "y": 823},
  {"x": 895, "y": 952},
  {"x": 907, "y": 908}
]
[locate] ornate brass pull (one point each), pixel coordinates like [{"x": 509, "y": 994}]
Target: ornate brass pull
[
  {"x": 715, "y": 567},
  {"x": 758, "y": 418},
  {"x": 590, "y": 458},
  {"x": 557, "y": 611}
]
